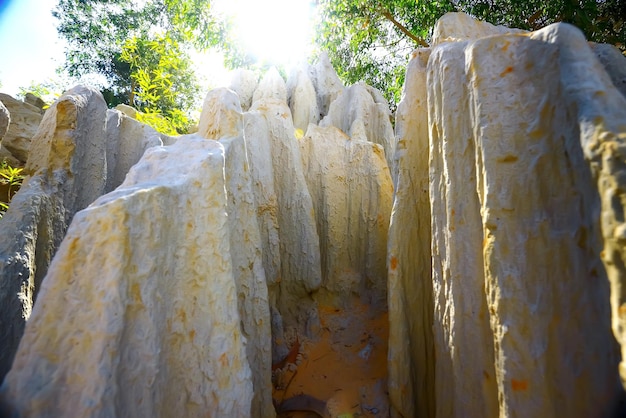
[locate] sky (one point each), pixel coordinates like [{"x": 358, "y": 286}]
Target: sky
[
  {"x": 30, "y": 48},
  {"x": 278, "y": 30}
]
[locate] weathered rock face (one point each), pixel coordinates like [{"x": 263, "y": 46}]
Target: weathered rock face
[
  {"x": 78, "y": 154},
  {"x": 326, "y": 82},
  {"x": 614, "y": 63},
  {"x": 462, "y": 27},
  {"x": 126, "y": 141},
  {"x": 68, "y": 172},
  {"x": 285, "y": 213},
  {"x": 33, "y": 100},
  {"x": 244, "y": 83},
  {"x": 351, "y": 190},
  {"x": 411, "y": 346},
  {"x": 356, "y": 112},
  {"x": 222, "y": 114},
  {"x": 271, "y": 86},
  {"x": 302, "y": 99},
  {"x": 25, "y": 119},
  {"x": 168, "y": 340},
  {"x": 523, "y": 134}
]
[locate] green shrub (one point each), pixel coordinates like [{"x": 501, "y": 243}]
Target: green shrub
[{"x": 10, "y": 182}]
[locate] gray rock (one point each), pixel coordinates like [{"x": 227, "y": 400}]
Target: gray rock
[{"x": 25, "y": 120}]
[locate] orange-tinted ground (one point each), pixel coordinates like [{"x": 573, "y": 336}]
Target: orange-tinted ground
[{"x": 342, "y": 374}]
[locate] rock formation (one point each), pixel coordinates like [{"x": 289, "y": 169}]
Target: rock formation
[
  {"x": 271, "y": 86},
  {"x": 411, "y": 346},
  {"x": 126, "y": 141},
  {"x": 75, "y": 158},
  {"x": 244, "y": 83},
  {"x": 222, "y": 119},
  {"x": 5, "y": 120},
  {"x": 351, "y": 191},
  {"x": 326, "y": 82},
  {"x": 520, "y": 130},
  {"x": 285, "y": 213},
  {"x": 25, "y": 119},
  {"x": 302, "y": 98},
  {"x": 141, "y": 328},
  {"x": 357, "y": 113},
  {"x": 496, "y": 242},
  {"x": 614, "y": 63}
]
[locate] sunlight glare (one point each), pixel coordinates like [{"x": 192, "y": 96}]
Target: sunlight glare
[{"x": 279, "y": 32}]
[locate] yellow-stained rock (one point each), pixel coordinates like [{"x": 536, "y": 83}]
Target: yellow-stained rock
[
  {"x": 411, "y": 347},
  {"x": 523, "y": 134},
  {"x": 138, "y": 313},
  {"x": 221, "y": 115}
]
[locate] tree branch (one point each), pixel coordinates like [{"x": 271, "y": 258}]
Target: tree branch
[{"x": 404, "y": 30}]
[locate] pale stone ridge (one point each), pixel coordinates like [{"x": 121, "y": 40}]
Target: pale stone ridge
[
  {"x": 31, "y": 230},
  {"x": 614, "y": 63},
  {"x": 351, "y": 190},
  {"x": 598, "y": 115},
  {"x": 126, "y": 141},
  {"x": 326, "y": 82},
  {"x": 465, "y": 383},
  {"x": 221, "y": 115},
  {"x": 456, "y": 26},
  {"x": 126, "y": 326},
  {"x": 356, "y": 113},
  {"x": 247, "y": 261},
  {"x": 222, "y": 120},
  {"x": 25, "y": 119},
  {"x": 299, "y": 272},
  {"x": 517, "y": 227},
  {"x": 244, "y": 83},
  {"x": 302, "y": 98},
  {"x": 411, "y": 364},
  {"x": 68, "y": 170},
  {"x": 271, "y": 86}
]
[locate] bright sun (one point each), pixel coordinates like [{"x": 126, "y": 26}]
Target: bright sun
[{"x": 276, "y": 31}]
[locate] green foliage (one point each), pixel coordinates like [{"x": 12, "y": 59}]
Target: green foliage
[
  {"x": 11, "y": 180},
  {"x": 162, "y": 81},
  {"x": 371, "y": 40},
  {"x": 140, "y": 48},
  {"x": 48, "y": 90}
]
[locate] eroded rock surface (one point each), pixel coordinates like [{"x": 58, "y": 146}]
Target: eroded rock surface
[
  {"x": 411, "y": 346},
  {"x": 351, "y": 190},
  {"x": 25, "y": 119},
  {"x": 167, "y": 341},
  {"x": 224, "y": 116},
  {"x": 126, "y": 142},
  {"x": 271, "y": 86},
  {"x": 357, "y": 112},
  {"x": 302, "y": 99},
  {"x": 244, "y": 83},
  {"x": 68, "y": 172},
  {"x": 524, "y": 132},
  {"x": 78, "y": 154}
]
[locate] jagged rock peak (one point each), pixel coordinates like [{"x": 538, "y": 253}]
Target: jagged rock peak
[
  {"x": 327, "y": 84},
  {"x": 221, "y": 115},
  {"x": 358, "y": 112},
  {"x": 302, "y": 98},
  {"x": 461, "y": 27},
  {"x": 244, "y": 82},
  {"x": 271, "y": 86}
]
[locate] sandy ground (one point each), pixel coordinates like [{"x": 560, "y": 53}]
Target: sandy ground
[{"x": 342, "y": 374}]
